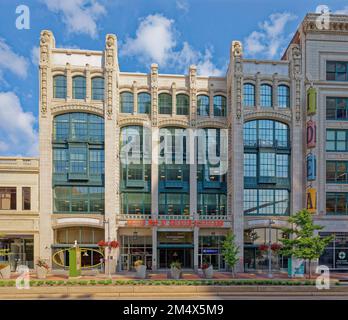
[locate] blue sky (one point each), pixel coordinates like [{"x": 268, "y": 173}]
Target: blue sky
[{"x": 173, "y": 33}]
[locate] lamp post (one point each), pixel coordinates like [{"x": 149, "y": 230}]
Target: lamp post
[
  {"x": 270, "y": 222},
  {"x": 106, "y": 221}
]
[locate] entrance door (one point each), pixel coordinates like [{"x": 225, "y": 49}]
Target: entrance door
[
  {"x": 125, "y": 262},
  {"x": 182, "y": 255}
]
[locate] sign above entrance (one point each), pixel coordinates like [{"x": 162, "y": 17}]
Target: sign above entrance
[{"x": 175, "y": 223}]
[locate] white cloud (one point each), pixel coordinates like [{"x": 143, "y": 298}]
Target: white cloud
[
  {"x": 11, "y": 61},
  {"x": 183, "y": 5},
  {"x": 156, "y": 41},
  {"x": 35, "y": 55},
  {"x": 270, "y": 39},
  {"x": 17, "y": 132},
  {"x": 342, "y": 11},
  {"x": 80, "y": 16}
]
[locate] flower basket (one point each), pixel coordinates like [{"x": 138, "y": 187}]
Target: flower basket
[
  {"x": 5, "y": 271},
  {"x": 275, "y": 246},
  {"x": 263, "y": 247}
]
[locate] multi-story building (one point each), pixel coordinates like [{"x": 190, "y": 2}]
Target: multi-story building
[
  {"x": 167, "y": 165},
  {"x": 19, "y": 211}
]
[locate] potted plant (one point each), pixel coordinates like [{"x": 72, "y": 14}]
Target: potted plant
[
  {"x": 5, "y": 271},
  {"x": 41, "y": 269},
  {"x": 207, "y": 270},
  {"x": 175, "y": 269},
  {"x": 140, "y": 268}
]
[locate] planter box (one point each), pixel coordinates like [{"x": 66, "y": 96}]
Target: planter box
[
  {"x": 208, "y": 272},
  {"x": 5, "y": 273},
  {"x": 41, "y": 272},
  {"x": 141, "y": 271},
  {"x": 175, "y": 273}
]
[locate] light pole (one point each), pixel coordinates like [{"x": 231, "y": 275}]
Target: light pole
[
  {"x": 106, "y": 221},
  {"x": 269, "y": 248}
]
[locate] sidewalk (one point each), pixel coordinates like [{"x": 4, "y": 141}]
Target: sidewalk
[{"x": 186, "y": 275}]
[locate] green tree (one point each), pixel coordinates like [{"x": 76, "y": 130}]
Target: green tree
[
  {"x": 301, "y": 240},
  {"x": 230, "y": 251}
]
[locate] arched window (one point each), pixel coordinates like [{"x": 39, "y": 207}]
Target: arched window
[
  {"x": 203, "y": 105},
  {"x": 165, "y": 103},
  {"x": 248, "y": 95},
  {"x": 266, "y": 96},
  {"x": 79, "y": 87},
  {"x": 144, "y": 102},
  {"x": 219, "y": 106},
  {"x": 182, "y": 104},
  {"x": 283, "y": 96},
  {"x": 127, "y": 102},
  {"x": 97, "y": 88},
  {"x": 59, "y": 87}
]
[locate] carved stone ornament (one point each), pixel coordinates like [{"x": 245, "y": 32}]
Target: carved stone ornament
[{"x": 237, "y": 48}]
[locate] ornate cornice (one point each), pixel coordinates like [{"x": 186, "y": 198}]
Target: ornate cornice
[
  {"x": 205, "y": 123},
  {"x": 325, "y": 23},
  {"x": 263, "y": 114},
  {"x": 171, "y": 122},
  {"x": 124, "y": 121},
  {"x": 73, "y": 107}
]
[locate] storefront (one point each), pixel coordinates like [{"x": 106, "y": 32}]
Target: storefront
[
  {"x": 135, "y": 247},
  {"x": 175, "y": 246},
  {"x": 17, "y": 250},
  {"x": 256, "y": 254},
  {"x": 87, "y": 238},
  {"x": 335, "y": 255},
  {"x": 210, "y": 251}
]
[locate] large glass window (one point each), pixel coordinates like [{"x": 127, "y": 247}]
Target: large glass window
[
  {"x": 136, "y": 203},
  {"x": 78, "y": 126},
  {"x": 98, "y": 88},
  {"x": 174, "y": 204},
  {"x": 182, "y": 104},
  {"x": 337, "y": 203},
  {"x": 266, "y": 202},
  {"x": 203, "y": 105},
  {"x": 337, "y": 71},
  {"x": 283, "y": 96},
  {"x": 266, "y": 133},
  {"x": 220, "y": 106},
  {"x": 96, "y": 162},
  {"x": 127, "y": 102},
  {"x": 336, "y": 108},
  {"x": 59, "y": 87},
  {"x": 8, "y": 198},
  {"x": 336, "y": 140},
  {"x": 78, "y": 160},
  {"x": 211, "y": 204},
  {"x": 60, "y": 160},
  {"x": 337, "y": 171},
  {"x": 78, "y": 199},
  {"x": 144, "y": 103},
  {"x": 249, "y": 95},
  {"x": 250, "y": 165},
  {"x": 165, "y": 103},
  {"x": 79, "y": 87},
  {"x": 266, "y": 96}
]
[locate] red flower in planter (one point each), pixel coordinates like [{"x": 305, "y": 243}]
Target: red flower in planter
[
  {"x": 263, "y": 247},
  {"x": 275, "y": 246},
  {"x": 113, "y": 244},
  {"x": 205, "y": 266}
]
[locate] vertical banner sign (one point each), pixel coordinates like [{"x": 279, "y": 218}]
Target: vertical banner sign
[
  {"x": 312, "y": 200},
  {"x": 295, "y": 267},
  {"x": 311, "y": 134},
  {"x": 311, "y": 167},
  {"x": 311, "y": 101},
  {"x": 74, "y": 262}
]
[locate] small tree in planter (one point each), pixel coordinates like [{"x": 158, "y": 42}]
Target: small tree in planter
[
  {"x": 175, "y": 269},
  {"x": 41, "y": 269},
  {"x": 230, "y": 251},
  {"x": 208, "y": 270},
  {"x": 140, "y": 268},
  {"x": 300, "y": 240},
  {"x": 5, "y": 271}
]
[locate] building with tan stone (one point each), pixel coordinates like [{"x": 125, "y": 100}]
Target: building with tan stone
[{"x": 167, "y": 165}]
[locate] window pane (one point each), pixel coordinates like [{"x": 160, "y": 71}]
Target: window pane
[
  {"x": 266, "y": 95},
  {"x": 79, "y": 87},
  {"x": 165, "y": 103},
  {"x": 249, "y": 95},
  {"x": 203, "y": 105},
  {"x": 219, "y": 106},
  {"x": 283, "y": 97},
  {"x": 144, "y": 103},
  {"x": 98, "y": 88},
  {"x": 127, "y": 102},
  {"x": 182, "y": 104},
  {"x": 59, "y": 87},
  {"x": 8, "y": 198}
]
